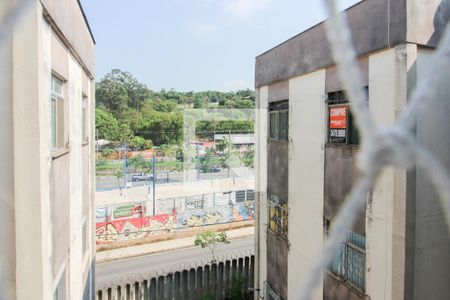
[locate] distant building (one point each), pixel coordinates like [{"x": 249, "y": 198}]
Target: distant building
[
  {"x": 305, "y": 160},
  {"x": 237, "y": 139},
  {"x": 47, "y": 90}
]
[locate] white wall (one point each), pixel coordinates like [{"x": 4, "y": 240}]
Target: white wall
[
  {"x": 261, "y": 188},
  {"x": 31, "y": 157},
  {"x": 307, "y": 129},
  {"x": 432, "y": 239},
  {"x": 7, "y": 257},
  {"x": 75, "y": 136},
  {"x": 386, "y": 212}
]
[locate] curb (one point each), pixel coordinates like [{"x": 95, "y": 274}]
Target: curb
[{"x": 111, "y": 256}]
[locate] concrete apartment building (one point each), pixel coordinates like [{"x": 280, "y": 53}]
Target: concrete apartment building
[
  {"x": 307, "y": 143},
  {"x": 46, "y": 168}
]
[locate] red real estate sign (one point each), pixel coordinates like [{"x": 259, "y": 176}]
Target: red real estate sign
[{"x": 338, "y": 117}]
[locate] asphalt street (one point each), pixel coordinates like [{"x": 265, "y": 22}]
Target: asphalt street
[
  {"x": 108, "y": 182},
  {"x": 143, "y": 267}
]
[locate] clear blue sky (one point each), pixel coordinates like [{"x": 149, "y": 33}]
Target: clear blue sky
[{"x": 194, "y": 44}]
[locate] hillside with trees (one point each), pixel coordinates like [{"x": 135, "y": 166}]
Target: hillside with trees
[{"x": 128, "y": 111}]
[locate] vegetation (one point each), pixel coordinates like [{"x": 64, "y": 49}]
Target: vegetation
[
  {"x": 210, "y": 239},
  {"x": 128, "y": 111}
]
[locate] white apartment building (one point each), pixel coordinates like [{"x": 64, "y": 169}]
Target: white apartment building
[
  {"x": 399, "y": 248},
  {"x": 47, "y": 105}
]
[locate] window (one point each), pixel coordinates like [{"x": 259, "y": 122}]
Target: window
[
  {"x": 341, "y": 128},
  {"x": 60, "y": 290},
  {"x": 240, "y": 196},
  {"x": 57, "y": 113},
  {"x": 250, "y": 195},
  {"x": 271, "y": 294},
  {"x": 279, "y": 121},
  {"x": 273, "y": 133},
  {"x": 278, "y": 216},
  {"x": 350, "y": 262},
  {"x": 84, "y": 119}
]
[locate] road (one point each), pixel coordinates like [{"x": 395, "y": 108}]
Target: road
[
  {"x": 144, "y": 267},
  {"x": 108, "y": 182}
]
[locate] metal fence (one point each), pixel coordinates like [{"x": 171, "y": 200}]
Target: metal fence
[
  {"x": 135, "y": 220},
  {"x": 350, "y": 261},
  {"x": 222, "y": 280}
]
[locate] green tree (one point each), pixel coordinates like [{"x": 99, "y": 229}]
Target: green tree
[
  {"x": 118, "y": 174},
  {"x": 106, "y": 125},
  {"x": 112, "y": 95},
  {"x": 249, "y": 157},
  {"x": 210, "y": 239},
  {"x": 125, "y": 134},
  {"x": 132, "y": 118},
  {"x": 138, "y": 162},
  {"x": 162, "y": 128},
  {"x": 119, "y": 85},
  {"x": 224, "y": 145},
  {"x": 140, "y": 143}
]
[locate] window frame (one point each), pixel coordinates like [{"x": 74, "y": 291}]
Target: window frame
[
  {"x": 339, "y": 99},
  {"x": 276, "y": 109},
  {"x": 58, "y": 116},
  {"x": 84, "y": 119},
  {"x": 341, "y": 257},
  {"x": 60, "y": 285}
]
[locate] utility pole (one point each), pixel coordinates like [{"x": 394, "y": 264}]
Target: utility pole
[
  {"x": 125, "y": 165},
  {"x": 154, "y": 182}
]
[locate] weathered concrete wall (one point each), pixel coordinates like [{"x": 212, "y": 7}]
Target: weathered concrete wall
[
  {"x": 333, "y": 82},
  {"x": 69, "y": 19},
  {"x": 307, "y": 130},
  {"x": 277, "y": 185},
  {"x": 333, "y": 289},
  {"x": 279, "y": 91},
  {"x": 60, "y": 212},
  {"x": 375, "y": 25},
  {"x": 277, "y": 264},
  {"x": 341, "y": 174},
  {"x": 277, "y": 169},
  {"x": 432, "y": 239}
]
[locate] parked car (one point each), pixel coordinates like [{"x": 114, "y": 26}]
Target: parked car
[
  {"x": 213, "y": 169},
  {"x": 141, "y": 177}
]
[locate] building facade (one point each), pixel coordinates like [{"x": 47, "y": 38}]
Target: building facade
[
  {"x": 399, "y": 248},
  {"x": 47, "y": 105}
]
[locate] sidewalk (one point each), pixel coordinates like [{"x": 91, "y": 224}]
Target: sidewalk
[{"x": 164, "y": 246}]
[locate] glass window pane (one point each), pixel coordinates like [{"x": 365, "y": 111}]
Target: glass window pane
[
  {"x": 84, "y": 124},
  {"x": 54, "y": 122},
  {"x": 60, "y": 123},
  {"x": 283, "y": 125},
  {"x": 273, "y": 134}
]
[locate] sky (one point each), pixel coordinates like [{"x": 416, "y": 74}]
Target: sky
[{"x": 194, "y": 45}]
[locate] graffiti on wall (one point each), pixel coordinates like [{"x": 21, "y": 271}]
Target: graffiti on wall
[
  {"x": 202, "y": 217},
  {"x": 243, "y": 212},
  {"x": 135, "y": 220},
  {"x": 130, "y": 221}
]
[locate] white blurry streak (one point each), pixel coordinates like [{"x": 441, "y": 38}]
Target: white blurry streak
[
  {"x": 423, "y": 94},
  {"x": 11, "y": 16},
  {"x": 347, "y": 215},
  {"x": 439, "y": 178},
  {"x": 339, "y": 37}
]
